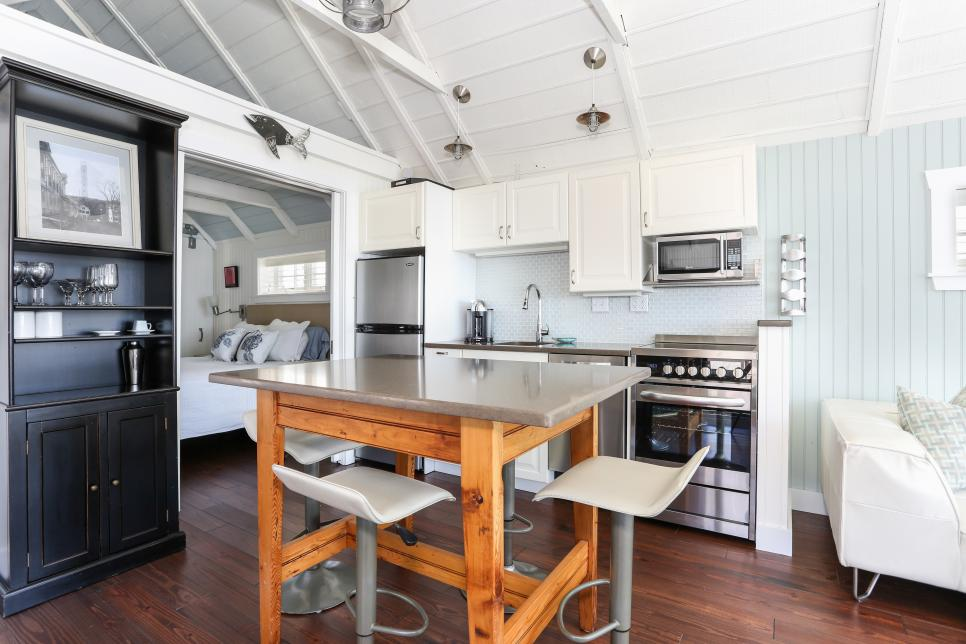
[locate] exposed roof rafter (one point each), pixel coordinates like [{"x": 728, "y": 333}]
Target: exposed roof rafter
[
  {"x": 132, "y": 32},
  {"x": 218, "y": 209},
  {"x": 188, "y": 219},
  {"x": 386, "y": 49},
  {"x": 445, "y": 101},
  {"x": 328, "y": 73},
  {"x": 612, "y": 20},
  {"x": 76, "y": 19},
  {"x": 379, "y": 75},
  {"x": 212, "y": 188},
  {"x": 882, "y": 65},
  {"x": 222, "y": 51}
]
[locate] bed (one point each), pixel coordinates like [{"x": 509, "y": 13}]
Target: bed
[{"x": 207, "y": 408}]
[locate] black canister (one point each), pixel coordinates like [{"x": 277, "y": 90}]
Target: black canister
[{"x": 132, "y": 355}]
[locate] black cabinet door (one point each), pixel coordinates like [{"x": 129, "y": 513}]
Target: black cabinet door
[
  {"x": 63, "y": 499},
  {"x": 136, "y": 464}
]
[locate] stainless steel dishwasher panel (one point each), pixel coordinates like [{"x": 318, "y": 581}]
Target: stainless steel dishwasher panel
[{"x": 612, "y": 416}]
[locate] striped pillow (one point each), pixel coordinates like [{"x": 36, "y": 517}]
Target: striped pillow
[{"x": 941, "y": 428}]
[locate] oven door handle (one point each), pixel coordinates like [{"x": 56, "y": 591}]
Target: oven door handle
[{"x": 704, "y": 401}]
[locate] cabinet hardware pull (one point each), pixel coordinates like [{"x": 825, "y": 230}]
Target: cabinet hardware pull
[
  {"x": 116, "y": 483},
  {"x": 508, "y": 229},
  {"x": 573, "y": 280},
  {"x": 500, "y": 232},
  {"x": 94, "y": 487},
  {"x": 419, "y": 231},
  {"x": 645, "y": 219},
  {"x": 201, "y": 334}
]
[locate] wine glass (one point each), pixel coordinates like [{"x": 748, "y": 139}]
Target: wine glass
[
  {"x": 80, "y": 287},
  {"x": 19, "y": 268},
  {"x": 66, "y": 287},
  {"x": 110, "y": 281},
  {"x": 89, "y": 284},
  {"x": 37, "y": 276}
]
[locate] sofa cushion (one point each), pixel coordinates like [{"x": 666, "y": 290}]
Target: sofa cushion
[
  {"x": 941, "y": 428},
  {"x": 960, "y": 398}
]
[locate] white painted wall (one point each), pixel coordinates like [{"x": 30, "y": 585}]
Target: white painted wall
[
  {"x": 243, "y": 253},
  {"x": 198, "y": 283}
]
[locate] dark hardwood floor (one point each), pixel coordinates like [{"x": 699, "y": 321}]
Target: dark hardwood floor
[{"x": 689, "y": 585}]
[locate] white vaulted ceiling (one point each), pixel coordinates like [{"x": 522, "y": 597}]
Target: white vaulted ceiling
[{"x": 694, "y": 73}]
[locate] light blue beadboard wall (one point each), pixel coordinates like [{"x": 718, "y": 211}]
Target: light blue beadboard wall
[{"x": 874, "y": 320}]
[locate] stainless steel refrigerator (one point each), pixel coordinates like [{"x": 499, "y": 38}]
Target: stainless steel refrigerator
[{"x": 389, "y": 306}]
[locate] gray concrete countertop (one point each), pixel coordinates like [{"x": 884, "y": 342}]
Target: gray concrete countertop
[
  {"x": 530, "y": 393},
  {"x": 588, "y": 348}
]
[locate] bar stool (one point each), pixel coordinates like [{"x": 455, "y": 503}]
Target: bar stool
[
  {"x": 375, "y": 497},
  {"x": 509, "y": 517},
  {"x": 628, "y": 489},
  {"x": 323, "y": 586}
]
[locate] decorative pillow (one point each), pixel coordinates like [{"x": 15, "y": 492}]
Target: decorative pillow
[
  {"x": 303, "y": 343},
  {"x": 941, "y": 428},
  {"x": 226, "y": 344},
  {"x": 286, "y": 348},
  {"x": 245, "y": 326},
  {"x": 960, "y": 398},
  {"x": 256, "y": 346}
]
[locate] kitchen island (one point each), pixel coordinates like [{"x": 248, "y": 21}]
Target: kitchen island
[{"x": 478, "y": 413}]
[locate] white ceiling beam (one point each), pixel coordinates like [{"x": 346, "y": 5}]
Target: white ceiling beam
[
  {"x": 222, "y": 51},
  {"x": 132, "y": 32},
  {"x": 78, "y": 22},
  {"x": 882, "y": 64},
  {"x": 213, "y": 188},
  {"x": 328, "y": 73},
  {"x": 188, "y": 219},
  {"x": 446, "y": 101},
  {"x": 612, "y": 20},
  {"x": 377, "y": 43},
  {"x": 218, "y": 209},
  {"x": 379, "y": 75}
]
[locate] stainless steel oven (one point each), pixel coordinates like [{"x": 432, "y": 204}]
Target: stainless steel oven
[
  {"x": 705, "y": 256},
  {"x": 701, "y": 393}
]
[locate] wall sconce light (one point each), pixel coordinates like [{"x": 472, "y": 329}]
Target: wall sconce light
[{"x": 212, "y": 302}]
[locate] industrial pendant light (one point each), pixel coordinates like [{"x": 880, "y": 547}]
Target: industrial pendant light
[
  {"x": 364, "y": 16},
  {"x": 457, "y": 148},
  {"x": 593, "y": 118}
]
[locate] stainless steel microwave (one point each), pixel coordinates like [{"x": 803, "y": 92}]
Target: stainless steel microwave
[{"x": 705, "y": 256}]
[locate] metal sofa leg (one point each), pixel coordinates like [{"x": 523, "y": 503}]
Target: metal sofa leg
[{"x": 855, "y": 586}]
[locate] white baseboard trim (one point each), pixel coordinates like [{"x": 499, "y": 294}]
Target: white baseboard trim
[
  {"x": 774, "y": 539},
  {"x": 454, "y": 470},
  {"x": 808, "y": 501}
]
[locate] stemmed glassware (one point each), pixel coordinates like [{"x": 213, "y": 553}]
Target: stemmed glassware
[
  {"x": 110, "y": 281},
  {"x": 66, "y": 287},
  {"x": 19, "y": 268},
  {"x": 102, "y": 281},
  {"x": 37, "y": 275}
]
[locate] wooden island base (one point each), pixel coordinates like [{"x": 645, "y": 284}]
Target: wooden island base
[{"x": 481, "y": 447}]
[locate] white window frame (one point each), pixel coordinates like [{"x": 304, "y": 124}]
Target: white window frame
[
  {"x": 945, "y": 188},
  {"x": 295, "y": 249}
]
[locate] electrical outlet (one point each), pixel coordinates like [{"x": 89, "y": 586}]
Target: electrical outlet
[
  {"x": 640, "y": 303},
  {"x": 599, "y": 304}
]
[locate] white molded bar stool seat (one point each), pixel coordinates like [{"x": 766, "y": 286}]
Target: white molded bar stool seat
[
  {"x": 374, "y": 497},
  {"x": 628, "y": 489},
  {"x": 323, "y": 586}
]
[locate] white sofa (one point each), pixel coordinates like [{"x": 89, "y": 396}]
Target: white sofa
[{"x": 891, "y": 510}]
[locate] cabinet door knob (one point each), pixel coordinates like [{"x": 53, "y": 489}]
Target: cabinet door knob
[
  {"x": 500, "y": 232},
  {"x": 94, "y": 487},
  {"x": 573, "y": 279},
  {"x": 116, "y": 483}
]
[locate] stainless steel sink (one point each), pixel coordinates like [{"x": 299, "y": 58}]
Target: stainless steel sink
[{"x": 524, "y": 343}]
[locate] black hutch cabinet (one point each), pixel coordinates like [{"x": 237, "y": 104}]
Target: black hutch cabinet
[{"x": 88, "y": 465}]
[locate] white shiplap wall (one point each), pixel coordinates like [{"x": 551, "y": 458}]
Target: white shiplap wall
[
  {"x": 242, "y": 253},
  {"x": 873, "y": 319}
]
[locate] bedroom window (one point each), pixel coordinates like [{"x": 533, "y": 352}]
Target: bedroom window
[{"x": 292, "y": 274}]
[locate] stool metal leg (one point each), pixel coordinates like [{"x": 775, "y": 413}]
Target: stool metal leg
[
  {"x": 509, "y": 514},
  {"x": 621, "y": 575},
  {"x": 323, "y": 586},
  {"x": 365, "y": 579}
]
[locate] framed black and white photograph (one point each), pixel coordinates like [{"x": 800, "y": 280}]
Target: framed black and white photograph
[{"x": 76, "y": 187}]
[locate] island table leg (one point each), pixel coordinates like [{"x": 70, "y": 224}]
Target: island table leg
[
  {"x": 481, "y": 460},
  {"x": 583, "y": 445},
  {"x": 271, "y": 450}
]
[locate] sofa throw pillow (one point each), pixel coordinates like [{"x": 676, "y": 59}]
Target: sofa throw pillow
[
  {"x": 286, "y": 348},
  {"x": 226, "y": 344},
  {"x": 960, "y": 398},
  {"x": 941, "y": 428},
  {"x": 256, "y": 346}
]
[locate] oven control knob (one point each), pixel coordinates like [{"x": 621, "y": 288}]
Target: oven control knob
[
  {"x": 692, "y": 371},
  {"x": 738, "y": 373},
  {"x": 667, "y": 370},
  {"x": 679, "y": 370},
  {"x": 721, "y": 372},
  {"x": 705, "y": 372}
]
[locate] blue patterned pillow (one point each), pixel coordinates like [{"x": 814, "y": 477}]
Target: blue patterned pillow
[
  {"x": 256, "y": 346},
  {"x": 941, "y": 428},
  {"x": 226, "y": 344}
]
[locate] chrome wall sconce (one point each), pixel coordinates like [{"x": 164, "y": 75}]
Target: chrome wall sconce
[
  {"x": 793, "y": 275},
  {"x": 592, "y": 119},
  {"x": 364, "y": 16},
  {"x": 458, "y": 148},
  {"x": 212, "y": 301}
]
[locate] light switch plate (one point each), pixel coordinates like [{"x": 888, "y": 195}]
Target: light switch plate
[
  {"x": 640, "y": 303},
  {"x": 599, "y": 304}
]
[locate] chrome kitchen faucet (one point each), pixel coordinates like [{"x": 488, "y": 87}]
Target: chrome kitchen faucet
[{"x": 541, "y": 329}]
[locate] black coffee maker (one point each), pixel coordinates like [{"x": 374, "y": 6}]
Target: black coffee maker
[{"x": 479, "y": 323}]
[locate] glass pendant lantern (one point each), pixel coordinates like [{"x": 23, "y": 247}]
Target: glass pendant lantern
[
  {"x": 458, "y": 148},
  {"x": 593, "y": 118}
]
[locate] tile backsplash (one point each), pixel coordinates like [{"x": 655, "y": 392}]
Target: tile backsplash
[{"x": 713, "y": 310}]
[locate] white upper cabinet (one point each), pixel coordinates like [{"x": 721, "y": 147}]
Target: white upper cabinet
[
  {"x": 479, "y": 217},
  {"x": 393, "y": 218},
  {"x": 699, "y": 192},
  {"x": 536, "y": 211},
  {"x": 605, "y": 230}
]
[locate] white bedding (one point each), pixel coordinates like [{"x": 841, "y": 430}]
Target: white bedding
[{"x": 209, "y": 408}]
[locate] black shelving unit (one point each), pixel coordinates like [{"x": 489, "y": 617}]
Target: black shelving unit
[{"x": 88, "y": 464}]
